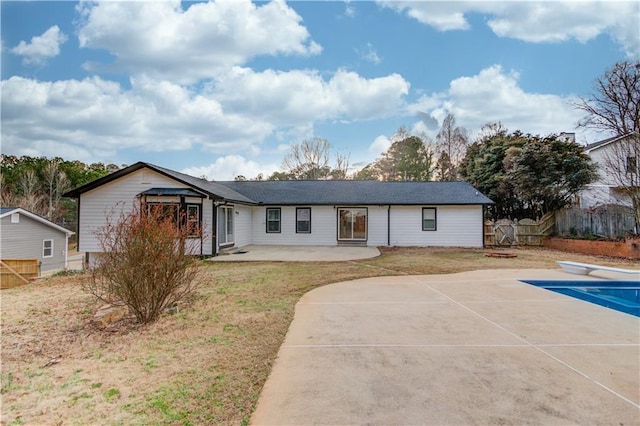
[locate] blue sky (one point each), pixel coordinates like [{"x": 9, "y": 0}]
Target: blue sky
[{"x": 224, "y": 88}]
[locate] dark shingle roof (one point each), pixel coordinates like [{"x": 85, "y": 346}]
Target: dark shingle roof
[
  {"x": 211, "y": 189},
  {"x": 591, "y": 146},
  {"x": 327, "y": 192},
  {"x": 4, "y": 210},
  {"x": 353, "y": 192}
]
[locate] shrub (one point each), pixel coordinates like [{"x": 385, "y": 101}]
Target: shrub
[{"x": 145, "y": 262}]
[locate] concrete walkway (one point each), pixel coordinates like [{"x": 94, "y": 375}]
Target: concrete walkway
[
  {"x": 462, "y": 349},
  {"x": 276, "y": 253}
]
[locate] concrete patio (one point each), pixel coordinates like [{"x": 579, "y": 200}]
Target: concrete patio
[
  {"x": 469, "y": 348},
  {"x": 279, "y": 253}
]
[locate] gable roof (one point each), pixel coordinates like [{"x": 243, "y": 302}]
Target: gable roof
[
  {"x": 6, "y": 211},
  {"x": 601, "y": 144},
  {"x": 327, "y": 192},
  {"x": 362, "y": 192},
  {"x": 210, "y": 189}
]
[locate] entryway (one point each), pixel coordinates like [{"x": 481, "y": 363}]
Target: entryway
[{"x": 352, "y": 224}]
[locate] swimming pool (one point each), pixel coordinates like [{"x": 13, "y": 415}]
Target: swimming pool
[{"x": 623, "y": 296}]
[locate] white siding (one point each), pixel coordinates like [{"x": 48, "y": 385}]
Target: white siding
[
  {"x": 377, "y": 226},
  {"x": 323, "y": 227},
  {"x": 113, "y": 198},
  {"x": 457, "y": 226},
  {"x": 23, "y": 240},
  {"x": 242, "y": 222}
]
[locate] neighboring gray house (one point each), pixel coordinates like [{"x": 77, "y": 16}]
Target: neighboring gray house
[
  {"x": 25, "y": 235},
  {"x": 236, "y": 214},
  {"x": 618, "y": 160}
]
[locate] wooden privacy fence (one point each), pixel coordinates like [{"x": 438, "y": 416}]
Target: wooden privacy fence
[
  {"x": 608, "y": 221},
  {"x": 16, "y": 272},
  {"x": 523, "y": 232}
]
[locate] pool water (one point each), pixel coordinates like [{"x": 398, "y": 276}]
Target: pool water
[{"x": 623, "y": 296}]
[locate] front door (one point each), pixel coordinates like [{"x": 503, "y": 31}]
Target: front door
[{"x": 352, "y": 224}]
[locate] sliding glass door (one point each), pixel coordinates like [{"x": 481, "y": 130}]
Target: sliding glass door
[{"x": 352, "y": 224}]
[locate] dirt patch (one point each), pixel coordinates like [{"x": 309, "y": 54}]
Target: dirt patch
[{"x": 207, "y": 363}]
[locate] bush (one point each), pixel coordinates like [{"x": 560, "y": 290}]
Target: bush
[{"x": 145, "y": 264}]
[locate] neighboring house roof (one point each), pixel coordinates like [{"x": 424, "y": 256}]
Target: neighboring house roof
[
  {"x": 601, "y": 144},
  {"x": 6, "y": 211},
  {"x": 294, "y": 192}
]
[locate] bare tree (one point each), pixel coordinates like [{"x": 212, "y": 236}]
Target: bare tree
[
  {"x": 615, "y": 104},
  {"x": 310, "y": 160},
  {"x": 56, "y": 184},
  {"x": 451, "y": 145},
  {"x": 615, "y": 107},
  {"x": 30, "y": 197},
  {"x": 621, "y": 167}
]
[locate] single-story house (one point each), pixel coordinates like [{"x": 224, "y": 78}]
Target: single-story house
[
  {"x": 332, "y": 212},
  {"x": 25, "y": 235}
]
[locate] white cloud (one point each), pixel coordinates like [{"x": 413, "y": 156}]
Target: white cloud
[
  {"x": 370, "y": 54},
  {"x": 297, "y": 98},
  {"x": 230, "y": 166},
  {"x": 494, "y": 95},
  {"x": 41, "y": 48},
  {"x": 379, "y": 145},
  {"x": 147, "y": 37},
  {"x": 536, "y": 22},
  {"x": 101, "y": 117}
]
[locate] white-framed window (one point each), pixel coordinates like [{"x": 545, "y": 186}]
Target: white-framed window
[
  {"x": 225, "y": 225},
  {"x": 47, "y": 248},
  {"x": 15, "y": 217},
  {"x": 303, "y": 220},
  {"x": 274, "y": 215},
  {"x": 429, "y": 219},
  {"x": 193, "y": 219}
]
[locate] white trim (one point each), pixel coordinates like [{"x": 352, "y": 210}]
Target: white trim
[
  {"x": 45, "y": 248},
  {"x": 614, "y": 139},
  {"x": 38, "y": 219}
]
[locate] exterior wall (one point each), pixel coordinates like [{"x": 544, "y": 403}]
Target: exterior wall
[
  {"x": 377, "y": 229},
  {"x": 323, "y": 227},
  {"x": 242, "y": 223},
  {"x": 119, "y": 196},
  {"x": 23, "y": 240},
  {"x": 603, "y": 190},
  {"x": 457, "y": 226}
]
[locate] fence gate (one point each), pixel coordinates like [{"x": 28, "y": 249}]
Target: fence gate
[
  {"x": 524, "y": 232},
  {"x": 505, "y": 232}
]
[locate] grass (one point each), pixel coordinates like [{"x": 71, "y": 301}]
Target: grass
[{"x": 205, "y": 365}]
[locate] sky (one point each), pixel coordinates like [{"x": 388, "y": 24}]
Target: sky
[{"x": 225, "y": 88}]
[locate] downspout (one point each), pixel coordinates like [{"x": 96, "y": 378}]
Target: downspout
[
  {"x": 484, "y": 207},
  {"x": 389, "y": 225},
  {"x": 214, "y": 233}
]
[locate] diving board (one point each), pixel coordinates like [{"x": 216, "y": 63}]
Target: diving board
[{"x": 586, "y": 268}]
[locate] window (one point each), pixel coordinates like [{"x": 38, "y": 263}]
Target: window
[
  {"x": 429, "y": 217},
  {"x": 225, "y": 225},
  {"x": 632, "y": 165},
  {"x": 165, "y": 211},
  {"x": 15, "y": 217},
  {"x": 273, "y": 220},
  {"x": 181, "y": 215},
  {"x": 47, "y": 248},
  {"x": 303, "y": 220},
  {"x": 193, "y": 219}
]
